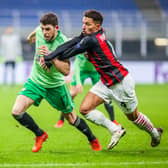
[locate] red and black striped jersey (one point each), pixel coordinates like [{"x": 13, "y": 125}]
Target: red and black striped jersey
[
  {"x": 103, "y": 57},
  {"x": 100, "y": 53}
]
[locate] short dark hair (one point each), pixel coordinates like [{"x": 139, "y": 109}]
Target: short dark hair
[
  {"x": 49, "y": 18},
  {"x": 95, "y": 15}
]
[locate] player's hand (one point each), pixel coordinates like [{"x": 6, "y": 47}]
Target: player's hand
[
  {"x": 31, "y": 37},
  {"x": 31, "y": 40},
  {"x": 43, "y": 50},
  {"x": 79, "y": 88},
  {"x": 43, "y": 64}
]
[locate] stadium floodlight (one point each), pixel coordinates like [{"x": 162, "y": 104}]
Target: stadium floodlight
[{"x": 161, "y": 42}]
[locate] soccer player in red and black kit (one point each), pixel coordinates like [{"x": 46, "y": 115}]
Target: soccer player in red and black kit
[{"x": 116, "y": 82}]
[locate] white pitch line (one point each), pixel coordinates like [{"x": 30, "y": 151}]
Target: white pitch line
[{"x": 81, "y": 164}]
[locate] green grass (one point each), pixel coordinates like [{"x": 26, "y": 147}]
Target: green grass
[{"x": 66, "y": 147}]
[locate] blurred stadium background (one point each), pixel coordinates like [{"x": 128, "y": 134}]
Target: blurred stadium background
[{"x": 138, "y": 30}]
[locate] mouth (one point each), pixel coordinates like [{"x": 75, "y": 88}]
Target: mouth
[
  {"x": 84, "y": 32},
  {"x": 47, "y": 38}
]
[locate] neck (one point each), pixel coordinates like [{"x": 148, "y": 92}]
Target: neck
[{"x": 55, "y": 35}]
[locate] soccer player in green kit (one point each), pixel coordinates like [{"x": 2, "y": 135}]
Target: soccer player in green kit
[
  {"x": 83, "y": 70},
  {"x": 48, "y": 84}
]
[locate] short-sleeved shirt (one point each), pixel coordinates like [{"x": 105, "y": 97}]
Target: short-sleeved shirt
[
  {"x": 42, "y": 77},
  {"x": 48, "y": 85}
]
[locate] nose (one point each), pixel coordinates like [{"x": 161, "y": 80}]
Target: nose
[
  {"x": 83, "y": 26},
  {"x": 45, "y": 32}
]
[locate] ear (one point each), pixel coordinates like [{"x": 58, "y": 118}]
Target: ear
[
  {"x": 98, "y": 26},
  {"x": 57, "y": 27}
]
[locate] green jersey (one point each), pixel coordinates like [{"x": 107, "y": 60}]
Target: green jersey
[
  {"x": 82, "y": 65},
  {"x": 42, "y": 77}
]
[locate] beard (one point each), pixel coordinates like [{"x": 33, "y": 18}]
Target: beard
[{"x": 51, "y": 38}]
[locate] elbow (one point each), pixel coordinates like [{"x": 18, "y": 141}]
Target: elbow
[
  {"x": 67, "y": 69},
  {"x": 66, "y": 73},
  {"x": 28, "y": 41}
]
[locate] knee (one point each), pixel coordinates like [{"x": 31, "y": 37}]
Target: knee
[
  {"x": 71, "y": 122},
  {"x": 73, "y": 94},
  {"x": 16, "y": 112},
  {"x": 83, "y": 110},
  {"x": 132, "y": 116},
  {"x": 70, "y": 117}
]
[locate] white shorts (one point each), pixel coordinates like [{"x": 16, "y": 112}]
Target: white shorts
[{"x": 122, "y": 93}]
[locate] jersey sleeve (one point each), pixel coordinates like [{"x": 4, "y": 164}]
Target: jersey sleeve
[
  {"x": 62, "y": 48},
  {"x": 82, "y": 46}
]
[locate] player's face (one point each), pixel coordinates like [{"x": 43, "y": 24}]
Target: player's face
[
  {"x": 49, "y": 31},
  {"x": 90, "y": 26}
]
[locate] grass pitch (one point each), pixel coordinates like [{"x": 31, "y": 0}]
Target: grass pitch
[{"x": 66, "y": 147}]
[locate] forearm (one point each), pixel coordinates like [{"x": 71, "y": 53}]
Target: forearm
[
  {"x": 62, "y": 48},
  {"x": 31, "y": 37},
  {"x": 71, "y": 52},
  {"x": 62, "y": 66}
]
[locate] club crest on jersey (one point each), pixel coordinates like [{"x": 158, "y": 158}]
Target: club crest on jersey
[{"x": 78, "y": 45}]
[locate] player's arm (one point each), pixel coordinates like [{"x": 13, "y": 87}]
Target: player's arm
[
  {"x": 62, "y": 66},
  {"x": 62, "y": 48},
  {"x": 31, "y": 38},
  {"x": 84, "y": 45},
  {"x": 42, "y": 51}
]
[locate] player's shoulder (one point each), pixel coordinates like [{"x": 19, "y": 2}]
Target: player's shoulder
[
  {"x": 38, "y": 29},
  {"x": 39, "y": 33},
  {"x": 62, "y": 36},
  {"x": 87, "y": 39}
]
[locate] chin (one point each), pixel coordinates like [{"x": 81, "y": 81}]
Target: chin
[
  {"x": 85, "y": 34},
  {"x": 47, "y": 39}
]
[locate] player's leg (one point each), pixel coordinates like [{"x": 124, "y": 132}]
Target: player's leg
[
  {"x": 110, "y": 109},
  {"x": 60, "y": 122},
  {"x": 63, "y": 102},
  {"x": 87, "y": 108},
  {"x": 144, "y": 123},
  {"x": 82, "y": 126},
  {"x": 5, "y": 73},
  {"x": 22, "y": 103},
  {"x": 73, "y": 92},
  {"x": 13, "y": 65},
  {"x": 129, "y": 105},
  {"x": 108, "y": 106}
]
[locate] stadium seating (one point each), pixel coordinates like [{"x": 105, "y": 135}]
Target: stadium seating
[
  {"x": 164, "y": 4},
  {"x": 125, "y": 23},
  {"x": 72, "y": 4}
]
